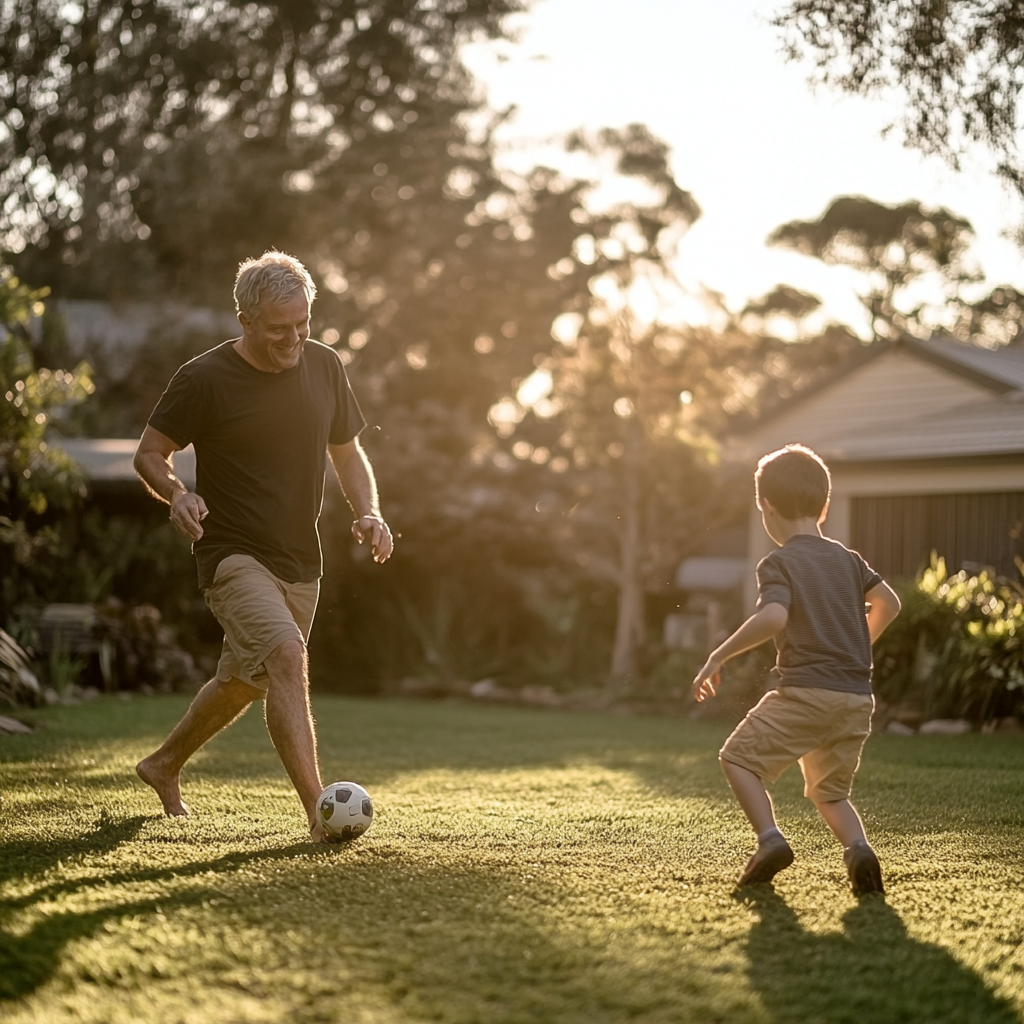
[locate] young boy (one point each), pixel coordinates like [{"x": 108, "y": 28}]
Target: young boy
[{"x": 812, "y": 594}]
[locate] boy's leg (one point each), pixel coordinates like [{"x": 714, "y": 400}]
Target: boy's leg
[
  {"x": 861, "y": 863},
  {"x": 773, "y": 852},
  {"x": 752, "y": 797},
  {"x": 759, "y": 749},
  {"x": 828, "y": 776},
  {"x": 842, "y": 817}
]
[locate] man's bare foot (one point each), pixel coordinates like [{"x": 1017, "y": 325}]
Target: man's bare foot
[
  {"x": 320, "y": 835},
  {"x": 166, "y": 786}
]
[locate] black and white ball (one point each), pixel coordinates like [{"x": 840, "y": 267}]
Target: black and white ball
[{"x": 345, "y": 810}]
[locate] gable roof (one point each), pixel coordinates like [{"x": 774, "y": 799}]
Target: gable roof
[
  {"x": 973, "y": 429},
  {"x": 1002, "y": 369},
  {"x": 910, "y": 399}
]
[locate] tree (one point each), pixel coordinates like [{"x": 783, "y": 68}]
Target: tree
[
  {"x": 35, "y": 480},
  {"x": 996, "y": 319},
  {"x": 894, "y": 247},
  {"x": 608, "y": 427},
  {"x": 956, "y": 64},
  {"x": 137, "y": 140}
]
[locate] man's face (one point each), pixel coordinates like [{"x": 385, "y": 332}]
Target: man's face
[{"x": 274, "y": 338}]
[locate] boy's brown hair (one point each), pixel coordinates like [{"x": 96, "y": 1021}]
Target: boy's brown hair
[{"x": 795, "y": 481}]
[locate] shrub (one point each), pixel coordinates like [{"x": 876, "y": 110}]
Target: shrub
[{"x": 956, "y": 647}]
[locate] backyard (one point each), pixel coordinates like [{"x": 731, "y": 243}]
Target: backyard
[{"x": 523, "y": 866}]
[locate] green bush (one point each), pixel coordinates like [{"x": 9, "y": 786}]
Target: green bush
[{"x": 956, "y": 647}]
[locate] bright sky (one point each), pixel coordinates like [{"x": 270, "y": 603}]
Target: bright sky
[{"x": 750, "y": 139}]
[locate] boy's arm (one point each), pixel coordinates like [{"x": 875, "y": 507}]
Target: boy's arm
[
  {"x": 884, "y": 607},
  {"x": 761, "y": 626}
]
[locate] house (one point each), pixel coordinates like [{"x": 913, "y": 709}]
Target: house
[
  {"x": 925, "y": 442},
  {"x": 107, "y": 465},
  {"x": 115, "y": 331}
]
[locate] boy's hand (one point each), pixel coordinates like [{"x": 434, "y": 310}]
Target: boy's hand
[{"x": 707, "y": 679}]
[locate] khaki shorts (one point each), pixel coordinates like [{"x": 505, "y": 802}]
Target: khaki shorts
[
  {"x": 258, "y": 613},
  {"x": 823, "y": 730}
]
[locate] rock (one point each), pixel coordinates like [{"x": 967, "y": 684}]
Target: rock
[
  {"x": 411, "y": 686},
  {"x": 909, "y": 713},
  {"x": 945, "y": 727},
  {"x": 1008, "y": 724},
  {"x": 13, "y": 725},
  {"x": 545, "y": 696},
  {"x": 488, "y": 689},
  {"x": 899, "y": 729}
]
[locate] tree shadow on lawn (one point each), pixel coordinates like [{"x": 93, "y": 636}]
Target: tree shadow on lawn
[
  {"x": 436, "y": 943},
  {"x": 871, "y": 973},
  {"x": 30, "y": 959}
]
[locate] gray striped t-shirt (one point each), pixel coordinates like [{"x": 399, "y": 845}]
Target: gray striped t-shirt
[{"x": 822, "y": 585}]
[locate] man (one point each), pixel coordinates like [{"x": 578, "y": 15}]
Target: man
[{"x": 263, "y": 413}]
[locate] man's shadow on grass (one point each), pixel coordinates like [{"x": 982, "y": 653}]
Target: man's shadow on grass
[
  {"x": 871, "y": 973},
  {"x": 29, "y": 959}
]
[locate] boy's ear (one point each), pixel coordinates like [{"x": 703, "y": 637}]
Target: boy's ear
[{"x": 824, "y": 513}]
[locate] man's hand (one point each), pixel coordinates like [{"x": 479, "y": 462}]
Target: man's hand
[
  {"x": 187, "y": 509},
  {"x": 706, "y": 681},
  {"x": 374, "y": 529}
]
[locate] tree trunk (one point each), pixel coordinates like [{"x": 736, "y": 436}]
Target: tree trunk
[{"x": 629, "y": 626}]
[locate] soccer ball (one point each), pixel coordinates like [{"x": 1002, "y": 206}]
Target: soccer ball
[{"x": 345, "y": 810}]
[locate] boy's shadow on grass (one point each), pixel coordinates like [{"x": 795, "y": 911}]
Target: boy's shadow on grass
[{"x": 872, "y": 972}]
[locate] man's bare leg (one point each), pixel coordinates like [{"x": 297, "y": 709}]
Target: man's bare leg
[
  {"x": 215, "y": 707},
  {"x": 290, "y": 724}
]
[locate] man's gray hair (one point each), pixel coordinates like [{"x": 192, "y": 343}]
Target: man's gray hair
[{"x": 275, "y": 276}]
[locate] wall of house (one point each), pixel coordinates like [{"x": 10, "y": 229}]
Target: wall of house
[{"x": 976, "y": 531}]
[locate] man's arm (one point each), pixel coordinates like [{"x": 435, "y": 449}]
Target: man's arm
[
  {"x": 884, "y": 607},
  {"x": 761, "y": 626},
  {"x": 360, "y": 489},
  {"x": 154, "y": 462}
]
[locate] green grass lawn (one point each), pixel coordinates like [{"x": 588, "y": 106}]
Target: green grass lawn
[{"x": 524, "y": 866}]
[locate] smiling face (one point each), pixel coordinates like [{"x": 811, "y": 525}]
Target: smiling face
[{"x": 272, "y": 340}]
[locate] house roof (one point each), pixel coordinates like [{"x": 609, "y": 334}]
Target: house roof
[
  {"x": 1001, "y": 368},
  {"x": 972, "y": 429},
  {"x": 911, "y": 399},
  {"x": 109, "y": 460}
]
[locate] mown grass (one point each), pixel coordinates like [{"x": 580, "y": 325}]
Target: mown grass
[{"x": 524, "y": 867}]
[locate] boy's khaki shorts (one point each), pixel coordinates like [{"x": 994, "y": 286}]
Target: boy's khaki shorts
[
  {"x": 258, "y": 613},
  {"x": 823, "y": 730}
]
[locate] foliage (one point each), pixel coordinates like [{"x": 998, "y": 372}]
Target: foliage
[
  {"x": 35, "y": 480},
  {"x": 122, "y": 120},
  {"x": 523, "y": 866},
  {"x": 993, "y": 320},
  {"x": 957, "y": 646},
  {"x": 18, "y": 683},
  {"x": 893, "y": 246},
  {"x": 955, "y": 63}
]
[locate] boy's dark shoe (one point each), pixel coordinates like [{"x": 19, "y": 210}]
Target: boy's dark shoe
[
  {"x": 772, "y": 856},
  {"x": 864, "y": 870}
]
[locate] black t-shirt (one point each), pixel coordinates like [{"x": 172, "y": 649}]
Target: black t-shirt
[
  {"x": 822, "y": 584},
  {"x": 261, "y": 453}
]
